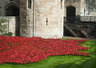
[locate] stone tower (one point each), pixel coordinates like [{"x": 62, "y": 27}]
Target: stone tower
[
  {"x": 26, "y": 19},
  {"x": 41, "y": 18}
]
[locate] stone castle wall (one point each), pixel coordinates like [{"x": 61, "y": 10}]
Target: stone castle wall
[
  {"x": 49, "y": 16},
  {"x": 47, "y": 21},
  {"x": 45, "y": 18},
  {"x": 88, "y": 7},
  {"x": 75, "y": 3},
  {"x": 26, "y": 24},
  {"x": 83, "y": 7},
  {"x": 5, "y": 3}
]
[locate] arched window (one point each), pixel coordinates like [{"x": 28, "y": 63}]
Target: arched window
[
  {"x": 61, "y": 3},
  {"x": 29, "y": 3}
]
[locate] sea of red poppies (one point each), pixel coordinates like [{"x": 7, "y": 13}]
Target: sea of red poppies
[{"x": 27, "y": 50}]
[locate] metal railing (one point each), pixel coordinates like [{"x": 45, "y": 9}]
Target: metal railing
[
  {"x": 76, "y": 30},
  {"x": 79, "y": 28},
  {"x": 80, "y": 19}
]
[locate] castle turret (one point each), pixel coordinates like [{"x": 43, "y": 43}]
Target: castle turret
[
  {"x": 26, "y": 18},
  {"x": 42, "y": 18},
  {"x": 49, "y": 17}
]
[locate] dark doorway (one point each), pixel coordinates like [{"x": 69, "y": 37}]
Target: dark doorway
[
  {"x": 70, "y": 13},
  {"x": 14, "y": 11}
]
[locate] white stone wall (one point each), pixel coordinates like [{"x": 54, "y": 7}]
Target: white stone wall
[
  {"x": 46, "y": 21},
  {"x": 49, "y": 18},
  {"x": 11, "y": 24}
]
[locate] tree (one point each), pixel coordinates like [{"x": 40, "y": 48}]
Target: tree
[{"x": 3, "y": 26}]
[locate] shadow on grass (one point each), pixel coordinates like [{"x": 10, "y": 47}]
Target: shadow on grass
[{"x": 84, "y": 63}]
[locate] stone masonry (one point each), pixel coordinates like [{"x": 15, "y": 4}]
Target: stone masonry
[
  {"x": 45, "y": 22},
  {"x": 45, "y": 18}
]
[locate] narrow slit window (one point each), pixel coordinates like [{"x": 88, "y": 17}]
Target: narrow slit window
[
  {"x": 11, "y": 0},
  {"x": 61, "y": 3},
  {"x": 46, "y": 21},
  {"x": 29, "y": 3}
]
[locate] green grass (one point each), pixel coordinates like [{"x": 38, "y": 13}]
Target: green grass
[{"x": 63, "y": 61}]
